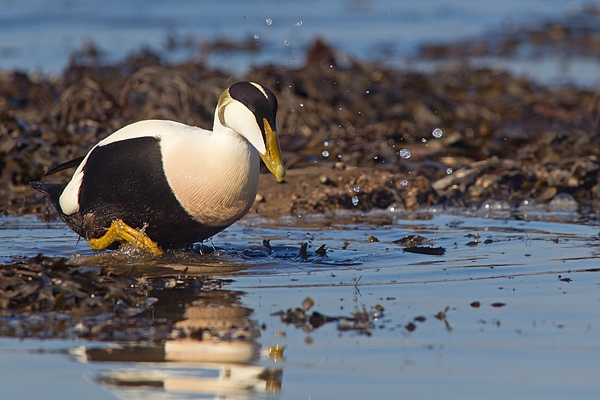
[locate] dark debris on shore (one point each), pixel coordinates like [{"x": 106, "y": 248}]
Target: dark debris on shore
[
  {"x": 504, "y": 137},
  {"x": 45, "y": 297}
]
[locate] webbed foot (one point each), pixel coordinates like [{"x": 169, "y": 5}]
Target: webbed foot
[{"x": 121, "y": 232}]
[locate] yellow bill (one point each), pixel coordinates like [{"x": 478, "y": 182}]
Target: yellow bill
[{"x": 272, "y": 158}]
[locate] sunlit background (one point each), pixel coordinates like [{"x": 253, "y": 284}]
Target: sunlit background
[{"x": 41, "y": 35}]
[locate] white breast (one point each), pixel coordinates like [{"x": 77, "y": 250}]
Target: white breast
[{"x": 213, "y": 175}]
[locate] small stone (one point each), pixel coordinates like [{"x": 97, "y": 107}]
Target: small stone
[
  {"x": 321, "y": 250},
  {"x": 410, "y": 327},
  {"x": 324, "y": 180},
  {"x": 307, "y": 303}
]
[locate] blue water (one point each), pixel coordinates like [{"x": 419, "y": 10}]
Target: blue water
[
  {"x": 543, "y": 343},
  {"x": 40, "y": 35}
]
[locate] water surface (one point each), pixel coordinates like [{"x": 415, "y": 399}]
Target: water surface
[
  {"x": 517, "y": 314},
  {"x": 37, "y": 35}
]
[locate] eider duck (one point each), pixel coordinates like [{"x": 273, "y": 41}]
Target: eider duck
[{"x": 165, "y": 185}]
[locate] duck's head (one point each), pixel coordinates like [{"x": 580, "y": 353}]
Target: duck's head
[{"x": 250, "y": 109}]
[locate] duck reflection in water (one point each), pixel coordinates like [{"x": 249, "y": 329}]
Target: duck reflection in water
[{"x": 213, "y": 352}]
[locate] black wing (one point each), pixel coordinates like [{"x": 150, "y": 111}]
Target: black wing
[{"x": 69, "y": 164}]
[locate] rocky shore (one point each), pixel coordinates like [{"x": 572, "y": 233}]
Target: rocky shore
[{"x": 354, "y": 134}]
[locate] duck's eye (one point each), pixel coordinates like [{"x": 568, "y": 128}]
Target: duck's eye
[{"x": 251, "y": 107}]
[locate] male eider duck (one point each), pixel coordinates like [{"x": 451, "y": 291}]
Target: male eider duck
[{"x": 165, "y": 185}]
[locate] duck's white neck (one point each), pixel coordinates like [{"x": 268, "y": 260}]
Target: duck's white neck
[{"x": 239, "y": 119}]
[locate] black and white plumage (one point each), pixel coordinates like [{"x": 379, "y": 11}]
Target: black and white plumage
[{"x": 180, "y": 184}]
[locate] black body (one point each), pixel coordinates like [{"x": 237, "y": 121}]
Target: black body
[{"x": 126, "y": 180}]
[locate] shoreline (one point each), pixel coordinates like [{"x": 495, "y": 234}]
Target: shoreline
[{"x": 342, "y": 125}]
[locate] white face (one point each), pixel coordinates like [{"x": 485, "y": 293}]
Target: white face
[
  {"x": 239, "y": 118},
  {"x": 250, "y": 110}
]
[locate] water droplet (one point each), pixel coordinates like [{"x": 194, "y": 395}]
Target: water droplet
[
  {"x": 367, "y": 92},
  {"x": 301, "y": 104},
  {"x": 437, "y": 133},
  {"x": 527, "y": 204},
  {"x": 340, "y": 156},
  {"x": 495, "y": 205},
  {"x": 404, "y": 153},
  {"x": 424, "y": 140},
  {"x": 394, "y": 207},
  {"x": 403, "y": 182},
  {"x": 448, "y": 170},
  {"x": 340, "y": 108},
  {"x": 298, "y": 23},
  {"x": 325, "y": 153},
  {"x": 285, "y": 43},
  {"x": 357, "y": 189},
  {"x": 256, "y": 36},
  {"x": 293, "y": 60},
  {"x": 325, "y": 143},
  {"x": 269, "y": 21},
  {"x": 354, "y": 200}
]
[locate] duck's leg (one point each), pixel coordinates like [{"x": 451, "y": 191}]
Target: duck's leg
[{"x": 120, "y": 231}]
